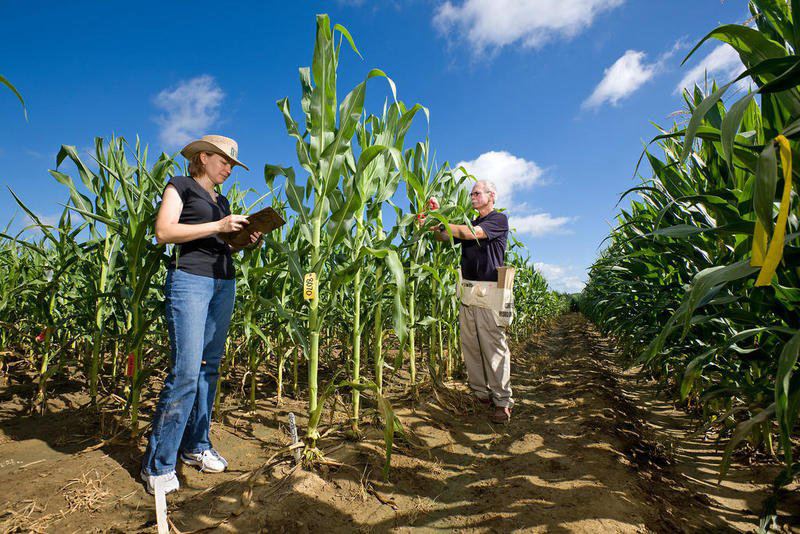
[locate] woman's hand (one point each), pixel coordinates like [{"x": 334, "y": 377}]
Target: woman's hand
[
  {"x": 232, "y": 223},
  {"x": 255, "y": 241}
]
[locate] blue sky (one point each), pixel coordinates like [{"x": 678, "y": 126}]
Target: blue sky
[{"x": 551, "y": 99}]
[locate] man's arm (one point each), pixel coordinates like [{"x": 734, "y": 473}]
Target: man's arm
[{"x": 459, "y": 231}]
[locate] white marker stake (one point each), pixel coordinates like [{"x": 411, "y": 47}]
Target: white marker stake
[
  {"x": 293, "y": 432},
  {"x": 161, "y": 509}
]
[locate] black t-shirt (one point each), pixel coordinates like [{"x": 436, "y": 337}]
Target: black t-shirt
[
  {"x": 480, "y": 258},
  {"x": 207, "y": 256}
]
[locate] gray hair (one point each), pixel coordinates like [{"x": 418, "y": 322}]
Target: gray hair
[{"x": 488, "y": 186}]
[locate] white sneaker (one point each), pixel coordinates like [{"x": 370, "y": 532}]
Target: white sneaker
[
  {"x": 209, "y": 460},
  {"x": 168, "y": 481}
]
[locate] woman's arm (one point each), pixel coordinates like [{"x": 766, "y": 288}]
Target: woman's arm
[{"x": 169, "y": 230}]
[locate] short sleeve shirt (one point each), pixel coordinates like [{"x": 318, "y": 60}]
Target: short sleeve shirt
[
  {"x": 207, "y": 256},
  {"x": 480, "y": 258}
]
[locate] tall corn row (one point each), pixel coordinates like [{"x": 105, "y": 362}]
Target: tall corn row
[
  {"x": 124, "y": 206},
  {"x": 718, "y": 217}
]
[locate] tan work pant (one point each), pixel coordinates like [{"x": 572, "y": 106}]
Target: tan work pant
[{"x": 486, "y": 355}]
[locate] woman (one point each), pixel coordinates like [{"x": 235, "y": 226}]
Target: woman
[{"x": 199, "y": 293}]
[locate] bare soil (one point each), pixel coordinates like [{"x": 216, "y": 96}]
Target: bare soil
[{"x": 589, "y": 449}]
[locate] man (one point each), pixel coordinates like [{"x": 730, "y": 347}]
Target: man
[{"x": 483, "y": 343}]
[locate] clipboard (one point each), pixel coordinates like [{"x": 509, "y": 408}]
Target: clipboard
[{"x": 263, "y": 221}]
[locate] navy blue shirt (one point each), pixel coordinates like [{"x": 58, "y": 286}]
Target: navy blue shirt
[
  {"x": 480, "y": 258},
  {"x": 207, "y": 256}
]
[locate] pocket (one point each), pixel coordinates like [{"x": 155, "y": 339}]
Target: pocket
[{"x": 503, "y": 318}]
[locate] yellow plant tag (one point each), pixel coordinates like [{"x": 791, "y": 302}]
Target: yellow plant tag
[
  {"x": 759, "y": 245},
  {"x": 310, "y": 286},
  {"x": 775, "y": 250}
]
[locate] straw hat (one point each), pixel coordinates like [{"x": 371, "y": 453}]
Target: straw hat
[{"x": 215, "y": 144}]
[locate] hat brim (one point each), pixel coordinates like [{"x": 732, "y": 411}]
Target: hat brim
[{"x": 204, "y": 146}]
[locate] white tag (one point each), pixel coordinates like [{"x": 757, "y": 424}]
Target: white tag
[{"x": 161, "y": 508}]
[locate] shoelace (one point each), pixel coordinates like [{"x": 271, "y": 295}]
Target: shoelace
[{"x": 215, "y": 455}]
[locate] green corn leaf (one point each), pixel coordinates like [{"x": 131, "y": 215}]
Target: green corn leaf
[
  {"x": 301, "y": 146},
  {"x": 695, "y": 367},
  {"x": 343, "y": 211},
  {"x": 786, "y": 417},
  {"x": 766, "y": 183},
  {"x": 43, "y": 227},
  {"x": 295, "y": 194},
  {"x": 341, "y": 29},
  {"x": 86, "y": 175},
  {"x": 730, "y": 126},
  {"x": 743, "y": 429},
  {"x": 322, "y": 103},
  {"x": 399, "y": 310},
  {"x": 753, "y": 46},
  {"x": 4, "y": 81},
  {"x": 679, "y": 230},
  {"x": 391, "y": 426},
  {"x": 795, "y": 24},
  {"x": 698, "y": 115}
]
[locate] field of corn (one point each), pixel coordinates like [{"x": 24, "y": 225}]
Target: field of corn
[
  {"x": 84, "y": 300},
  {"x": 700, "y": 281},
  {"x": 353, "y": 302}
]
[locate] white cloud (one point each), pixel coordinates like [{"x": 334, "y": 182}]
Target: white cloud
[
  {"x": 722, "y": 63},
  {"x": 190, "y": 109},
  {"x": 621, "y": 79},
  {"x": 509, "y": 173},
  {"x": 561, "y": 278},
  {"x": 539, "y": 224},
  {"x": 492, "y": 24},
  {"x": 29, "y": 228},
  {"x": 47, "y": 220}
]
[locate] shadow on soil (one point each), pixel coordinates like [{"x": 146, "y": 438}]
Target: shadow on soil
[{"x": 587, "y": 450}]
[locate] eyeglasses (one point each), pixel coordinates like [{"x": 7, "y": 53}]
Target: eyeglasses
[{"x": 476, "y": 193}]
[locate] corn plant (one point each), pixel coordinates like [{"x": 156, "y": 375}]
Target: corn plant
[
  {"x": 325, "y": 156},
  {"x": 103, "y": 244},
  {"x": 372, "y": 185},
  {"x": 126, "y": 207},
  {"x": 54, "y": 258},
  {"x": 425, "y": 180}
]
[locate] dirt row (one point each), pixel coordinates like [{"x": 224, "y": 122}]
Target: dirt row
[{"x": 589, "y": 449}]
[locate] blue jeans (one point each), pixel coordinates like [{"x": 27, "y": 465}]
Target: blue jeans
[{"x": 198, "y": 311}]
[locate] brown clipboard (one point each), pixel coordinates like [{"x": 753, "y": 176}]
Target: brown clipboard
[{"x": 263, "y": 221}]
